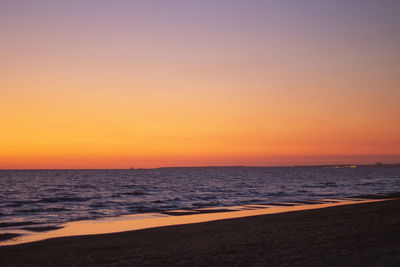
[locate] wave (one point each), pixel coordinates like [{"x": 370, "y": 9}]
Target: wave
[
  {"x": 13, "y": 224},
  {"x": 369, "y": 183},
  {"x": 38, "y": 210},
  {"x": 41, "y": 228},
  {"x": 62, "y": 199},
  {"x": 277, "y": 194},
  {"x": 143, "y": 209},
  {"x": 205, "y": 204},
  {"x": 135, "y": 193},
  {"x": 13, "y": 205}
]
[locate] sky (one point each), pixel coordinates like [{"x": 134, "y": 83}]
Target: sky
[{"x": 143, "y": 84}]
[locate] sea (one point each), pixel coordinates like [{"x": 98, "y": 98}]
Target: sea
[{"x": 51, "y": 197}]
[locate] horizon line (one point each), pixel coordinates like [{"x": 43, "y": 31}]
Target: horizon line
[{"x": 214, "y": 166}]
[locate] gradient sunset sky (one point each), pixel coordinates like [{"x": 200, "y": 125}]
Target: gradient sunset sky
[{"x": 115, "y": 84}]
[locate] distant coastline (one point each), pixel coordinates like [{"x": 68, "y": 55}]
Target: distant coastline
[{"x": 344, "y": 165}]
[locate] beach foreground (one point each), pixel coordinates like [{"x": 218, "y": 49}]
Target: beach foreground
[{"x": 360, "y": 234}]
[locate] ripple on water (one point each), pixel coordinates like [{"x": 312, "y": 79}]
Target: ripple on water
[{"x": 49, "y": 196}]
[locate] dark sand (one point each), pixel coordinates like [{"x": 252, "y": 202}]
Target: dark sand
[{"x": 354, "y": 235}]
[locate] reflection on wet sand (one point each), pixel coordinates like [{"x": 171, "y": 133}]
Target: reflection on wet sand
[{"x": 150, "y": 220}]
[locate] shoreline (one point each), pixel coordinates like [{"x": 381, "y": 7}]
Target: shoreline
[
  {"x": 361, "y": 234},
  {"x": 133, "y": 222}
]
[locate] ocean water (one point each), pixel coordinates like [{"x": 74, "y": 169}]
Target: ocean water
[{"x": 57, "y": 196}]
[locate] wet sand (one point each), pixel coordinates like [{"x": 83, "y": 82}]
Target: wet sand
[{"x": 360, "y": 234}]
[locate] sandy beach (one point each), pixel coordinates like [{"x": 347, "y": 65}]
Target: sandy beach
[{"x": 360, "y": 234}]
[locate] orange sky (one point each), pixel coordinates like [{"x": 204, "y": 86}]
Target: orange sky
[{"x": 147, "y": 84}]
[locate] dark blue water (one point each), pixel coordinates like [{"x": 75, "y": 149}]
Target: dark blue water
[{"x": 55, "y": 196}]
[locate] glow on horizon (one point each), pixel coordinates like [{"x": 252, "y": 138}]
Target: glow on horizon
[{"x": 120, "y": 84}]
